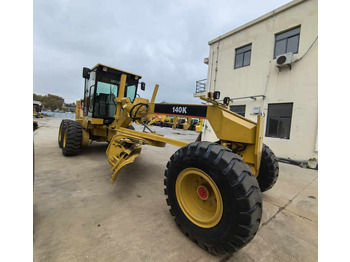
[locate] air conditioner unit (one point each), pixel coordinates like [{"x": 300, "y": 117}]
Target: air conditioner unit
[{"x": 284, "y": 60}]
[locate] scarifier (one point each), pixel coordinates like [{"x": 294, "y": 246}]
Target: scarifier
[{"x": 213, "y": 189}]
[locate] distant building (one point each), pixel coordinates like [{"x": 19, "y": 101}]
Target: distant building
[{"x": 242, "y": 65}]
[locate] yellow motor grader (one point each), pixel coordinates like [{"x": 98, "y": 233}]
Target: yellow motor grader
[
  {"x": 155, "y": 120},
  {"x": 37, "y": 109},
  {"x": 199, "y": 126},
  {"x": 213, "y": 189},
  {"x": 159, "y": 120}
]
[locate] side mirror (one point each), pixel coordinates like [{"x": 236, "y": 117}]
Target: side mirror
[
  {"x": 86, "y": 72},
  {"x": 143, "y": 86}
]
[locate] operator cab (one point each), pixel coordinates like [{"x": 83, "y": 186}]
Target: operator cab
[{"x": 102, "y": 87}]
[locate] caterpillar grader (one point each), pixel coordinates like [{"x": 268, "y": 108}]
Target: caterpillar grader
[{"x": 213, "y": 189}]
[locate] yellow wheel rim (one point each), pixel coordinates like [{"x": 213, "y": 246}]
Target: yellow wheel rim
[
  {"x": 59, "y": 134},
  {"x": 65, "y": 138},
  {"x": 199, "y": 197}
]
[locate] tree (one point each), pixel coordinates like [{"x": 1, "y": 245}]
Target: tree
[
  {"x": 52, "y": 102},
  {"x": 69, "y": 107},
  {"x": 69, "y": 104},
  {"x": 38, "y": 97}
]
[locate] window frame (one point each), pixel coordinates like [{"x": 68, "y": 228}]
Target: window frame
[
  {"x": 130, "y": 81},
  {"x": 286, "y": 38},
  {"x": 242, "y": 52},
  {"x": 100, "y": 85},
  {"x": 278, "y": 118},
  {"x": 90, "y": 85}
]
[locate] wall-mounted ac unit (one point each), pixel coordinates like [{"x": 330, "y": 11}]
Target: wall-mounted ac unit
[{"x": 284, "y": 60}]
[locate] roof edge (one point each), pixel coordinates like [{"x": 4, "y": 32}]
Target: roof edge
[
  {"x": 258, "y": 20},
  {"x": 99, "y": 64}
]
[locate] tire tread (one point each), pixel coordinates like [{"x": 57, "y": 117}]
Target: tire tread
[{"x": 241, "y": 180}]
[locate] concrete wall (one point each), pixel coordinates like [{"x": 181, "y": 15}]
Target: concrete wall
[{"x": 262, "y": 77}]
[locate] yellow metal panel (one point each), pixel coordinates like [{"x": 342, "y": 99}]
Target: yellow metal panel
[
  {"x": 80, "y": 121},
  {"x": 151, "y": 136},
  {"x": 230, "y": 126},
  {"x": 96, "y": 121},
  {"x": 100, "y": 131},
  {"x": 199, "y": 126},
  {"x": 259, "y": 140},
  {"x": 78, "y": 111},
  {"x": 85, "y": 138},
  {"x": 120, "y": 97},
  {"x": 155, "y": 91}
]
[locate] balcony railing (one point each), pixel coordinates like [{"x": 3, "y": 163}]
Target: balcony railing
[{"x": 201, "y": 85}]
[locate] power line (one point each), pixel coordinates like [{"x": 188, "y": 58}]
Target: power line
[{"x": 297, "y": 60}]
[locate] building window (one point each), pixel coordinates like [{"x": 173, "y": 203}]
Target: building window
[
  {"x": 238, "y": 110},
  {"x": 287, "y": 42},
  {"x": 279, "y": 118},
  {"x": 243, "y": 55}
]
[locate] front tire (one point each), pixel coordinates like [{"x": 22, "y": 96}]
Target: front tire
[{"x": 221, "y": 212}]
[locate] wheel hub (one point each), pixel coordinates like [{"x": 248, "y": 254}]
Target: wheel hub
[
  {"x": 199, "y": 197},
  {"x": 203, "y": 192}
]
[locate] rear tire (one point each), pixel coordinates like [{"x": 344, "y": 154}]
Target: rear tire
[
  {"x": 61, "y": 131},
  {"x": 269, "y": 169},
  {"x": 239, "y": 192},
  {"x": 72, "y": 139}
]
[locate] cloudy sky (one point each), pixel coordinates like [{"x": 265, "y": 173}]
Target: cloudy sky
[{"x": 164, "y": 41}]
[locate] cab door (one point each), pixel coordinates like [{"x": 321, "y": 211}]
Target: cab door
[{"x": 89, "y": 94}]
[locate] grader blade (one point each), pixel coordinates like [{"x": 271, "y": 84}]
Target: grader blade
[
  {"x": 125, "y": 159},
  {"x": 126, "y": 145}
]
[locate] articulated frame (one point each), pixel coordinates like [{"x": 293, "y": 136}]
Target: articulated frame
[{"x": 241, "y": 135}]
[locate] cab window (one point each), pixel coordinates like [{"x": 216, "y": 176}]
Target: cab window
[
  {"x": 105, "y": 99},
  {"x": 130, "y": 92}
]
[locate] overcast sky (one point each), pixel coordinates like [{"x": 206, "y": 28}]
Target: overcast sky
[{"x": 164, "y": 41}]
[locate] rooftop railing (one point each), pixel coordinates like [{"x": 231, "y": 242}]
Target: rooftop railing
[{"x": 201, "y": 85}]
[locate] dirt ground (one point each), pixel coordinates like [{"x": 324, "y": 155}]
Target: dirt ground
[{"x": 80, "y": 216}]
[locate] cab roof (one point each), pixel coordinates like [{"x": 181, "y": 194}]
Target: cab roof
[{"x": 122, "y": 71}]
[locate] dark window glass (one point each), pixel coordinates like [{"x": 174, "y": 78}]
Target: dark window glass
[
  {"x": 281, "y": 47},
  {"x": 284, "y": 127},
  {"x": 273, "y": 126},
  {"x": 239, "y": 61},
  {"x": 287, "y": 42},
  {"x": 279, "y": 118},
  {"x": 105, "y": 96},
  {"x": 289, "y": 33},
  {"x": 243, "y": 55},
  {"x": 238, "y": 110},
  {"x": 246, "y": 59},
  {"x": 91, "y": 99},
  {"x": 292, "y": 44},
  {"x": 91, "y": 89}
]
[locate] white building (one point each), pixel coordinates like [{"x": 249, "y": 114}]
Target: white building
[{"x": 242, "y": 65}]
